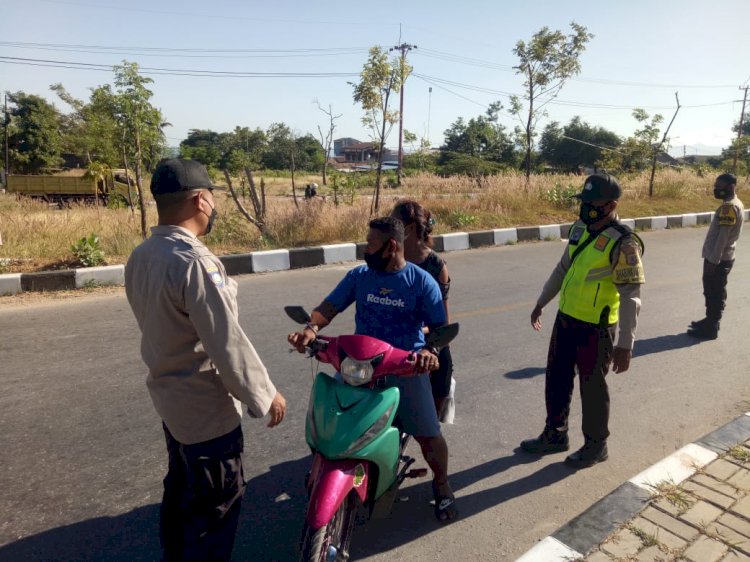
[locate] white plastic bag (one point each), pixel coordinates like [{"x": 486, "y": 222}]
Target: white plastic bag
[{"x": 449, "y": 408}]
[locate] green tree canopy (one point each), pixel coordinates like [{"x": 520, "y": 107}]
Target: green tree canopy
[
  {"x": 35, "y": 134},
  {"x": 481, "y": 137},
  {"x": 546, "y": 62},
  {"x": 575, "y": 144}
]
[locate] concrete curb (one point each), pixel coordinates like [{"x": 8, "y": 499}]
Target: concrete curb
[
  {"x": 581, "y": 534},
  {"x": 296, "y": 258}
]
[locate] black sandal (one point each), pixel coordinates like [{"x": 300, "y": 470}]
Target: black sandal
[{"x": 445, "y": 509}]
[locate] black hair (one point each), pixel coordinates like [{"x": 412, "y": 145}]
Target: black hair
[
  {"x": 389, "y": 227},
  {"x": 411, "y": 212},
  {"x": 729, "y": 179}
]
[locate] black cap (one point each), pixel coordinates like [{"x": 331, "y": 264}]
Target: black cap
[
  {"x": 179, "y": 174},
  {"x": 600, "y": 187}
]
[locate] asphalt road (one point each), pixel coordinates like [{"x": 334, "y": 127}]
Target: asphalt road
[{"x": 82, "y": 453}]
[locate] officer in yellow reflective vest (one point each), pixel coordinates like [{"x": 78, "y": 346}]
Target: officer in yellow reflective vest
[{"x": 599, "y": 280}]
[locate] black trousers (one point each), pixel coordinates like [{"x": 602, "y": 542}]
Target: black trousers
[
  {"x": 587, "y": 347},
  {"x": 715, "y": 288},
  {"x": 202, "y": 497}
]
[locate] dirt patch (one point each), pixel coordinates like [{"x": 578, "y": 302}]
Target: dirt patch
[{"x": 33, "y": 298}]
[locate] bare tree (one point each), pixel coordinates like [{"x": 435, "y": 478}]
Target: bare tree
[
  {"x": 327, "y": 139},
  {"x": 259, "y": 202},
  {"x": 660, "y": 148}
]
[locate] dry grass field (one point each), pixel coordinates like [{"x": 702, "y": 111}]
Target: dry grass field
[{"x": 37, "y": 237}]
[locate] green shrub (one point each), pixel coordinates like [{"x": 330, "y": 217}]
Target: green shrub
[
  {"x": 87, "y": 251},
  {"x": 560, "y": 196}
]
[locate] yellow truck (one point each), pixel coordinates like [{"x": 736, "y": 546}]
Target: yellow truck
[{"x": 66, "y": 189}]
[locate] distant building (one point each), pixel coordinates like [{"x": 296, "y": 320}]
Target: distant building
[
  {"x": 340, "y": 144},
  {"x": 356, "y": 155}
]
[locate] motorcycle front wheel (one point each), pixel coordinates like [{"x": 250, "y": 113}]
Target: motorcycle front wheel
[{"x": 331, "y": 542}]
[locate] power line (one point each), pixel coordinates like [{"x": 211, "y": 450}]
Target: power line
[
  {"x": 185, "y": 53},
  {"x": 509, "y": 68},
  {"x": 176, "y": 71},
  {"x": 555, "y": 101}
]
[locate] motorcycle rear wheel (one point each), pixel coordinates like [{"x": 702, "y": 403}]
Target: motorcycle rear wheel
[{"x": 337, "y": 534}]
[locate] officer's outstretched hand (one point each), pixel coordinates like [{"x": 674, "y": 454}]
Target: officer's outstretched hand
[
  {"x": 536, "y": 318},
  {"x": 621, "y": 359},
  {"x": 277, "y": 410}
]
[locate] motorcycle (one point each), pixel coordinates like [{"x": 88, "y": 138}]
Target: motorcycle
[{"x": 358, "y": 454}]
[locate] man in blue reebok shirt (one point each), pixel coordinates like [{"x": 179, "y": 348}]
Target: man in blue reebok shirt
[{"x": 394, "y": 300}]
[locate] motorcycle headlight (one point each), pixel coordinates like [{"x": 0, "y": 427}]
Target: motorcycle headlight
[
  {"x": 357, "y": 373},
  {"x": 371, "y": 433}
]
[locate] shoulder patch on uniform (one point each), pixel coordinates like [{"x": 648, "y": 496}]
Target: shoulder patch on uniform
[
  {"x": 601, "y": 242},
  {"x": 629, "y": 268},
  {"x": 216, "y": 277},
  {"x": 575, "y": 234},
  {"x": 727, "y": 215}
]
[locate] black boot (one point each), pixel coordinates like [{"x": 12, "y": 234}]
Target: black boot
[
  {"x": 549, "y": 441},
  {"x": 698, "y": 323},
  {"x": 707, "y": 331},
  {"x": 588, "y": 455}
]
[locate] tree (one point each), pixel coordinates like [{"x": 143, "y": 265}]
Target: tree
[
  {"x": 326, "y": 140},
  {"x": 379, "y": 79},
  {"x": 738, "y": 150},
  {"x": 635, "y": 151},
  {"x": 546, "y": 63},
  {"x": 91, "y": 129},
  {"x": 35, "y": 134},
  {"x": 482, "y": 138},
  {"x": 575, "y": 144},
  {"x": 204, "y": 146},
  {"x": 140, "y": 123}
]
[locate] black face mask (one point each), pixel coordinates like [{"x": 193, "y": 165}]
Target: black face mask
[
  {"x": 591, "y": 214},
  {"x": 211, "y": 220},
  {"x": 721, "y": 192},
  {"x": 375, "y": 260}
]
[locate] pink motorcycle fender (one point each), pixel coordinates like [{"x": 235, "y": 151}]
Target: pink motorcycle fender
[{"x": 335, "y": 479}]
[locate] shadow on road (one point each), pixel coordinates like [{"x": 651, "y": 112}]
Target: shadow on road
[
  {"x": 270, "y": 522},
  {"x": 526, "y": 373},
  {"x": 273, "y": 511},
  {"x": 132, "y": 536},
  {"x": 414, "y": 518},
  {"x": 663, "y": 343}
]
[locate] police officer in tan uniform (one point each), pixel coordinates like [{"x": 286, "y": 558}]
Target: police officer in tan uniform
[
  {"x": 718, "y": 256},
  {"x": 599, "y": 280},
  {"x": 201, "y": 366}
]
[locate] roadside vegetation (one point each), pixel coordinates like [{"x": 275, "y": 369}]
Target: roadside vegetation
[
  {"x": 37, "y": 236},
  {"x": 484, "y": 175}
]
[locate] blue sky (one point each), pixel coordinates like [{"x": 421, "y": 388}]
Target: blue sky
[{"x": 642, "y": 52}]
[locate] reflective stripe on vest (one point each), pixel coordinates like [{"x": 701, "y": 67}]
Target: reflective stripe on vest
[{"x": 587, "y": 287}]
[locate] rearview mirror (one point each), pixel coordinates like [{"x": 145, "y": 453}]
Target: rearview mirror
[
  {"x": 442, "y": 336},
  {"x": 297, "y": 313}
]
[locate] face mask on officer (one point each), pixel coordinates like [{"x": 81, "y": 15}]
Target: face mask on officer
[
  {"x": 375, "y": 260},
  {"x": 721, "y": 191},
  {"x": 211, "y": 217},
  {"x": 591, "y": 214}
]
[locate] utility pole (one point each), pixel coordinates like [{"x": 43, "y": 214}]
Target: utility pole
[
  {"x": 6, "y": 123},
  {"x": 739, "y": 130},
  {"x": 429, "y": 110},
  {"x": 404, "y": 48}
]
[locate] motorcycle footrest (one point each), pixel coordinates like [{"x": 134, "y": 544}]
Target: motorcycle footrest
[{"x": 416, "y": 473}]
